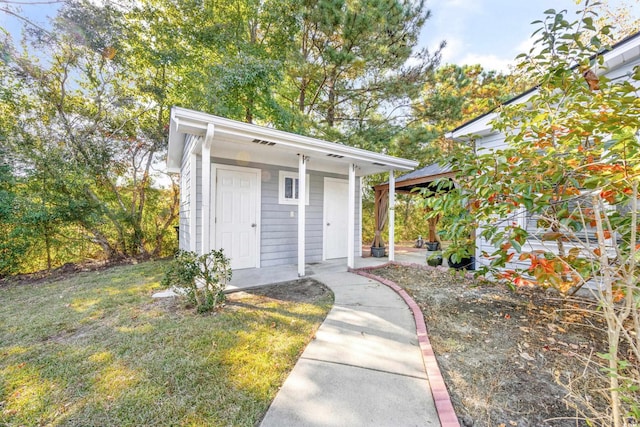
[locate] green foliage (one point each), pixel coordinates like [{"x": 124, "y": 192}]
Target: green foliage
[
  {"x": 94, "y": 109},
  {"x": 454, "y": 94},
  {"x": 559, "y": 202},
  {"x": 449, "y": 204},
  {"x": 202, "y": 278},
  {"x": 435, "y": 259},
  {"x": 91, "y": 127}
]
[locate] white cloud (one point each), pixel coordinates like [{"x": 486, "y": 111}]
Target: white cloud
[
  {"x": 464, "y": 5},
  {"x": 453, "y": 49},
  {"x": 457, "y": 52},
  {"x": 488, "y": 62},
  {"x": 525, "y": 45}
]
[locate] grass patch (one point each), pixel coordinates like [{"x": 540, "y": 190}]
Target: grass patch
[{"x": 95, "y": 349}]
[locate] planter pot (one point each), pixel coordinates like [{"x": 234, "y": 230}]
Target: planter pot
[
  {"x": 432, "y": 246},
  {"x": 377, "y": 252},
  {"x": 464, "y": 264},
  {"x": 434, "y": 260}
]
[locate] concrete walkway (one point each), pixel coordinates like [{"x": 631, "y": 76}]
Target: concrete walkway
[{"x": 364, "y": 368}]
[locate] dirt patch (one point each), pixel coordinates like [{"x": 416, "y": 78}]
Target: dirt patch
[
  {"x": 301, "y": 290},
  {"x": 508, "y": 358}
]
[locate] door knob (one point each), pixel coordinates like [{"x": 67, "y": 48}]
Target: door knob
[
  {"x": 253, "y": 225},
  {"x": 328, "y": 223}
]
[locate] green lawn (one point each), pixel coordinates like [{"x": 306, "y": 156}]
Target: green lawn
[{"x": 95, "y": 349}]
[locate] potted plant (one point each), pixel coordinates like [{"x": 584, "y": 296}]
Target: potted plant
[
  {"x": 377, "y": 251},
  {"x": 449, "y": 205},
  {"x": 432, "y": 246},
  {"x": 434, "y": 259},
  {"x": 460, "y": 257}
]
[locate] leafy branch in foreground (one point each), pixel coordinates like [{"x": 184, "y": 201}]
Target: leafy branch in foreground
[{"x": 558, "y": 201}]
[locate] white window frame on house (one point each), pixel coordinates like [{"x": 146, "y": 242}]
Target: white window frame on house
[{"x": 282, "y": 177}]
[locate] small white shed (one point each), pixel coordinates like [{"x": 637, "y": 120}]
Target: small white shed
[{"x": 269, "y": 197}]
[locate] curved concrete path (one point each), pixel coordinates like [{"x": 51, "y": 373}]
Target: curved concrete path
[{"x": 364, "y": 368}]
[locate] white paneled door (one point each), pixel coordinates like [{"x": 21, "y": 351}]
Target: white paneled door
[
  {"x": 336, "y": 215},
  {"x": 236, "y": 214}
]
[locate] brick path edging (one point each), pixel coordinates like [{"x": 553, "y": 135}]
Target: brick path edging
[{"x": 441, "y": 397}]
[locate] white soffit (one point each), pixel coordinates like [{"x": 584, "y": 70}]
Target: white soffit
[{"x": 258, "y": 139}]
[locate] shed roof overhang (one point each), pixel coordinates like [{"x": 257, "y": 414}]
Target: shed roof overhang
[{"x": 248, "y": 143}]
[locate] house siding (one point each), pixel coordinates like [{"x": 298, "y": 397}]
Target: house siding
[
  {"x": 187, "y": 179},
  {"x": 279, "y": 229},
  {"x": 491, "y": 142},
  {"x": 495, "y": 141}
]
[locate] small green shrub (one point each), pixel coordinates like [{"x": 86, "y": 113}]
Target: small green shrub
[{"x": 202, "y": 278}]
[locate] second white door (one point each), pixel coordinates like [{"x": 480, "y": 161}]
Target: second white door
[{"x": 336, "y": 196}]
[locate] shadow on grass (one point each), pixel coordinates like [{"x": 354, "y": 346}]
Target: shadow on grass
[{"x": 98, "y": 352}]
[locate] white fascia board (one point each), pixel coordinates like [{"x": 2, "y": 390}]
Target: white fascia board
[
  {"x": 624, "y": 53},
  {"x": 478, "y": 128},
  {"x": 349, "y": 153},
  {"x": 175, "y": 146},
  {"x": 481, "y": 126},
  {"x": 196, "y": 122}
]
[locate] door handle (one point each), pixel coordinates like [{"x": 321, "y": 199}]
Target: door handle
[
  {"x": 254, "y": 225},
  {"x": 328, "y": 223}
]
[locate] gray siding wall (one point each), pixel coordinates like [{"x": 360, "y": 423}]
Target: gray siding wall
[
  {"x": 497, "y": 141},
  {"x": 186, "y": 180},
  {"x": 279, "y": 229}
]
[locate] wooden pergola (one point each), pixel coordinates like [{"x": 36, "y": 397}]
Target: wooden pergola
[{"x": 406, "y": 184}]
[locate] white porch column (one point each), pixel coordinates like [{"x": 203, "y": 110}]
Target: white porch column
[
  {"x": 359, "y": 248},
  {"x": 206, "y": 190},
  {"x": 302, "y": 197},
  {"x": 351, "y": 209},
  {"x": 392, "y": 204}
]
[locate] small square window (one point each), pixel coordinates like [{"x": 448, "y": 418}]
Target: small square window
[{"x": 288, "y": 191}]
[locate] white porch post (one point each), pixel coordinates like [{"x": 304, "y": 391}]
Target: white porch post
[
  {"x": 392, "y": 204},
  {"x": 302, "y": 197},
  {"x": 359, "y": 248},
  {"x": 351, "y": 208},
  {"x": 206, "y": 190}
]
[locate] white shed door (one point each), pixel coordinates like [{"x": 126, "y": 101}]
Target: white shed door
[
  {"x": 236, "y": 221},
  {"x": 336, "y": 196}
]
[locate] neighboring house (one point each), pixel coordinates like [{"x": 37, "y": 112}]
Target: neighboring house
[
  {"x": 268, "y": 197},
  {"x": 619, "y": 62}
]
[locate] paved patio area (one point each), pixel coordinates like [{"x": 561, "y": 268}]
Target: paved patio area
[{"x": 252, "y": 277}]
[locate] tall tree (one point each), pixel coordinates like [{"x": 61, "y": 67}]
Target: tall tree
[
  {"x": 352, "y": 56},
  {"x": 88, "y": 133},
  {"x": 452, "y": 95}
]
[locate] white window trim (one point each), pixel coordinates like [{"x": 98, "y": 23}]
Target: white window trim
[{"x": 294, "y": 175}]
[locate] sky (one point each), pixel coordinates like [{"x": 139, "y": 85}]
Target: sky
[
  {"x": 491, "y": 32},
  {"x": 487, "y": 32}
]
